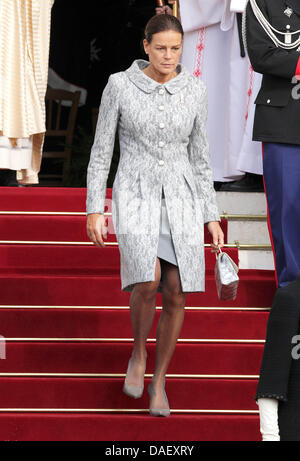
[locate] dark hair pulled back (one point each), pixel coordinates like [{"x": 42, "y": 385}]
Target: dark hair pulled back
[{"x": 162, "y": 23}]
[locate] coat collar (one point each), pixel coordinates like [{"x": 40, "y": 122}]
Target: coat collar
[{"x": 147, "y": 84}]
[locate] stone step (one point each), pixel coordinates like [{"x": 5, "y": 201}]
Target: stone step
[
  {"x": 247, "y": 225},
  {"x": 242, "y": 203},
  {"x": 248, "y": 232},
  {"x": 256, "y": 259}
]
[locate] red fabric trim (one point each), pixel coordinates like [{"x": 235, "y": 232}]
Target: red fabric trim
[
  {"x": 249, "y": 93},
  {"x": 269, "y": 223},
  {"x": 199, "y": 53},
  {"x": 297, "y": 73}
]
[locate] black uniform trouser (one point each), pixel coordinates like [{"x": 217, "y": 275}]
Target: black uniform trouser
[{"x": 280, "y": 367}]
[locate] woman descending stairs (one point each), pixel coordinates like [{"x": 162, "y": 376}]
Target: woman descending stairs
[{"x": 66, "y": 327}]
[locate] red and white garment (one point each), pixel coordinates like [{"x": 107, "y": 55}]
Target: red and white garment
[{"x": 211, "y": 51}]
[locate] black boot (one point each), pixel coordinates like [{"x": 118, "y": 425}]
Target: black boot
[
  {"x": 8, "y": 178},
  {"x": 249, "y": 183}
]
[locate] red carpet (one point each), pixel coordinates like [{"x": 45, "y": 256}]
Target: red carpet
[
  {"x": 122, "y": 427},
  {"x": 71, "y": 260},
  {"x": 59, "y": 228},
  {"x": 63, "y": 314},
  {"x": 112, "y": 357},
  {"x": 104, "y": 392},
  {"x": 115, "y": 323},
  {"x": 255, "y": 290}
]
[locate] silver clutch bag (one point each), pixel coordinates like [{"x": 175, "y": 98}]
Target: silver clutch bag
[{"x": 227, "y": 280}]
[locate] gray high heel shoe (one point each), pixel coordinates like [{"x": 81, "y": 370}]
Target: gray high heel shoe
[
  {"x": 133, "y": 391},
  {"x": 158, "y": 411}
]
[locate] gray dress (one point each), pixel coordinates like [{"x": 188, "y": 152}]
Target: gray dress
[
  {"x": 163, "y": 147},
  {"x": 165, "y": 248}
]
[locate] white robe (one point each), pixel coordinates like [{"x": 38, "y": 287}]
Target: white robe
[{"x": 211, "y": 51}]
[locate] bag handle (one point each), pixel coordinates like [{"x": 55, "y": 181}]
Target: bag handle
[
  {"x": 220, "y": 251},
  {"x": 230, "y": 259}
]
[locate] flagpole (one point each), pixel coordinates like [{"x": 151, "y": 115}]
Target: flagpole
[
  {"x": 175, "y": 9},
  {"x": 161, "y": 3}
]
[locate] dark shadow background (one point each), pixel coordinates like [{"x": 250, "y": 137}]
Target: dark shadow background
[{"x": 90, "y": 40}]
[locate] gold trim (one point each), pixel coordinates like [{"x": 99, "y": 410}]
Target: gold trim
[
  {"x": 224, "y": 215},
  {"x": 252, "y": 246},
  {"x": 122, "y": 375},
  {"x": 129, "y": 340},
  {"x": 47, "y": 213},
  {"x": 243, "y": 217},
  {"x": 207, "y": 245},
  {"x": 117, "y": 410},
  {"x": 191, "y": 308},
  {"x": 50, "y": 242}
]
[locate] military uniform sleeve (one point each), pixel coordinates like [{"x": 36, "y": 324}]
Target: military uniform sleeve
[
  {"x": 102, "y": 149},
  {"x": 264, "y": 55},
  {"x": 199, "y": 158}
]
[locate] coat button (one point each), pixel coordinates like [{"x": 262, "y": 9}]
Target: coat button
[
  {"x": 161, "y": 91},
  {"x": 161, "y": 162},
  {"x": 161, "y": 125},
  {"x": 268, "y": 101},
  {"x": 161, "y": 144},
  {"x": 161, "y": 107}
]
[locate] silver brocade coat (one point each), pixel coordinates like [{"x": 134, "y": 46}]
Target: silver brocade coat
[{"x": 163, "y": 143}]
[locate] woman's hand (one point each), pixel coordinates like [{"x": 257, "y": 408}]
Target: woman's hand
[
  {"x": 217, "y": 234},
  {"x": 95, "y": 226},
  {"x": 165, "y": 9}
]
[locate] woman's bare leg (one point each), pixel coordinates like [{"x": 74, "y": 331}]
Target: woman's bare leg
[
  {"x": 142, "y": 312},
  {"x": 168, "y": 329}
]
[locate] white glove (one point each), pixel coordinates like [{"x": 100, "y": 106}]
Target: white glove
[{"x": 268, "y": 416}]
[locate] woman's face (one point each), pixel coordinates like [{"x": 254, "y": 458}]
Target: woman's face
[{"x": 164, "y": 51}]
